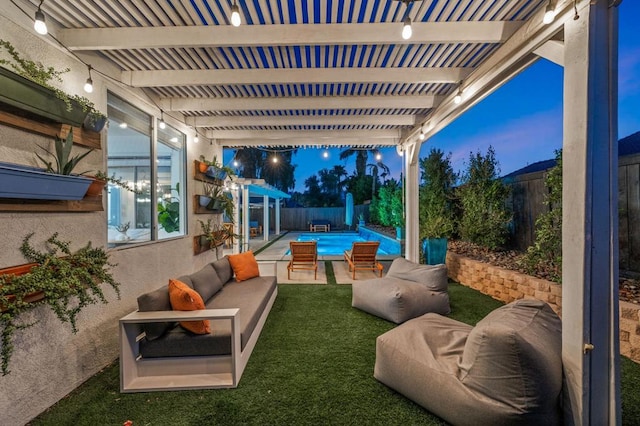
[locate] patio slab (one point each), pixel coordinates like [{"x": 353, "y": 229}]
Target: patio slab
[
  {"x": 343, "y": 276},
  {"x": 301, "y": 276}
]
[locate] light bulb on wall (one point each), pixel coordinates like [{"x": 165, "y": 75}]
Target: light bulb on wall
[
  {"x": 406, "y": 29},
  {"x": 549, "y": 14},
  {"x": 235, "y": 15},
  {"x": 39, "y": 24},
  {"x": 88, "y": 85}
]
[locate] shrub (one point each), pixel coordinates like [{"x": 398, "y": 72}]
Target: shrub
[
  {"x": 482, "y": 196},
  {"x": 389, "y": 207},
  {"x": 545, "y": 255}
]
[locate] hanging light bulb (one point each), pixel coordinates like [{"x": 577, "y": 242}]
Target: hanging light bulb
[
  {"x": 549, "y": 14},
  {"x": 325, "y": 154},
  {"x": 406, "y": 29},
  {"x": 275, "y": 159},
  {"x": 421, "y": 136},
  {"x": 162, "y": 124},
  {"x": 235, "y": 163},
  {"x": 378, "y": 157},
  {"x": 458, "y": 98},
  {"x": 88, "y": 86},
  {"x": 196, "y": 138},
  {"x": 235, "y": 15},
  {"x": 39, "y": 24}
]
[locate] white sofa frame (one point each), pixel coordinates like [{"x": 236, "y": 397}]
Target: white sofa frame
[{"x": 139, "y": 374}]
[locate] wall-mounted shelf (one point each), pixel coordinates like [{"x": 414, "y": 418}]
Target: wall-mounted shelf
[
  {"x": 87, "y": 204},
  {"x": 81, "y": 136},
  {"x": 198, "y": 209},
  {"x": 199, "y": 249}
]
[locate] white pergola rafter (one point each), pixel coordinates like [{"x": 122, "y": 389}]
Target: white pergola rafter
[
  {"x": 284, "y": 35},
  {"x": 307, "y": 142},
  {"x": 163, "y": 78},
  {"x": 298, "y": 103},
  {"x": 304, "y": 120},
  {"x": 319, "y": 135}
]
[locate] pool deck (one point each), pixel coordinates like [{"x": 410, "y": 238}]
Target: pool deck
[{"x": 276, "y": 252}]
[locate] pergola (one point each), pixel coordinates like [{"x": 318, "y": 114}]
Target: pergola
[{"x": 338, "y": 73}]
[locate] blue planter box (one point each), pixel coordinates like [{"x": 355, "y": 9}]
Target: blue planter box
[
  {"x": 435, "y": 250},
  {"x": 26, "y": 182}
]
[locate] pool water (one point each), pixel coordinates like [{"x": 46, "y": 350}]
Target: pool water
[{"x": 333, "y": 244}]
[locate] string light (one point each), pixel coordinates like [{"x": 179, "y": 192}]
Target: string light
[
  {"x": 406, "y": 29},
  {"x": 378, "y": 157},
  {"x": 196, "y": 138},
  {"x": 549, "y": 14},
  {"x": 88, "y": 86},
  {"x": 458, "y": 98},
  {"x": 235, "y": 15},
  {"x": 325, "y": 154},
  {"x": 39, "y": 23},
  {"x": 162, "y": 124}
]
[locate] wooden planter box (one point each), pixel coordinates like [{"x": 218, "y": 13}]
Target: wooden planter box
[
  {"x": 25, "y": 95},
  {"x": 23, "y": 182},
  {"x": 21, "y": 270}
]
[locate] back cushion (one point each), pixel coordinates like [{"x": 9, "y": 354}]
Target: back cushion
[
  {"x": 434, "y": 277},
  {"x": 157, "y": 300},
  {"x": 223, "y": 269},
  {"x": 206, "y": 282},
  {"x": 514, "y": 355}
]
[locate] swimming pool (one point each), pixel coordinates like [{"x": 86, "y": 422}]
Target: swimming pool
[{"x": 333, "y": 244}]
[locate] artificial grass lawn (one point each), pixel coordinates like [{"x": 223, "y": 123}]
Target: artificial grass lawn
[{"x": 313, "y": 364}]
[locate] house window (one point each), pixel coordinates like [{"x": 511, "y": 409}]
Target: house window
[
  {"x": 170, "y": 191},
  {"x": 155, "y": 209}
]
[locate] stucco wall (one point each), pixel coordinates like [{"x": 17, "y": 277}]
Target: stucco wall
[
  {"x": 49, "y": 361},
  {"x": 506, "y": 285}
]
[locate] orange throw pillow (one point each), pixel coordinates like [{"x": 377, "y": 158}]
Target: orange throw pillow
[
  {"x": 244, "y": 265},
  {"x": 184, "y": 298}
]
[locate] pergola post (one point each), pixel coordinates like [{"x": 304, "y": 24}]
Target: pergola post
[
  {"x": 411, "y": 249},
  {"x": 236, "y": 218},
  {"x": 265, "y": 217},
  {"x": 245, "y": 217},
  {"x": 590, "y": 347},
  {"x": 277, "y": 216}
]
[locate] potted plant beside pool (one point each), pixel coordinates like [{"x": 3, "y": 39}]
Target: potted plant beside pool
[
  {"x": 436, "y": 213},
  {"x": 55, "y": 182}
]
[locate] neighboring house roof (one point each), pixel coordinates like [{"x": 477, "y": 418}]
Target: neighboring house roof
[{"x": 628, "y": 145}]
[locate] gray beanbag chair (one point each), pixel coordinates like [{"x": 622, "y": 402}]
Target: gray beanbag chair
[
  {"x": 408, "y": 290},
  {"x": 505, "y": 371}
]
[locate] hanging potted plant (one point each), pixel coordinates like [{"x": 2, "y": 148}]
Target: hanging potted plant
[
  {"x": 28, "y": 87},
  {"x": 215, "y": 169},
  {"x": 55, "y": 182},
  {"x": 66, "y": 283}
]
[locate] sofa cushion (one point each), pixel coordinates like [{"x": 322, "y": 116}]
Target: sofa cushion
[
  {"x": 397, "y": 300},
  {"x": 183, "y": 298},
  {"x": 244, "y": 265},
  {"x": 206, "y": 282},
  {"x": 433, "y": 277},
  {"x": 157, "y": 300},
  {"x": 223, "y": 269}
]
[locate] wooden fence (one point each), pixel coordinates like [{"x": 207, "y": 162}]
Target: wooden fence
[
  {"x": 526, "y": 201},
  {"x": 299, "y": 218}
]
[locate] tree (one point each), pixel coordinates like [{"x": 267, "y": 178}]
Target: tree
[
  {"x": 388, "y": 208},
  {"x": 436, "y": 195},
  {"x": 313, "y": 194},
  {"x": 257, "y": 163},
  {"x": 374, "y": 174},
  {"x": 482, "y": 196},
  {"x": 362, "y": 155}
]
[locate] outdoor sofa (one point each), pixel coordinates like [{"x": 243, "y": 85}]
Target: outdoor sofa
[
  {"x": 507, "y": 370},
  {"x": 158, "y": 353}
]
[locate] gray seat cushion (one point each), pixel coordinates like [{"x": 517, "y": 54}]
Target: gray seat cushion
[
  {"x": 407, "y": 291},
  {"x": 507, "y": 370},
  {"x": 250, "y": 296}
]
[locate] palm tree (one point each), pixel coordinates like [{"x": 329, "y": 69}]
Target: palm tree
[
  {"x": 374, "y": 172},
  {"x": 362, "y": 155}
]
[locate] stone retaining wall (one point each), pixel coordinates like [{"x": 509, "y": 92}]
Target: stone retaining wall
[{"x": 506, "y": 285}]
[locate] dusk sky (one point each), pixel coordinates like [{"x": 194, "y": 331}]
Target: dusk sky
[{"x": 522, "y": 120}]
